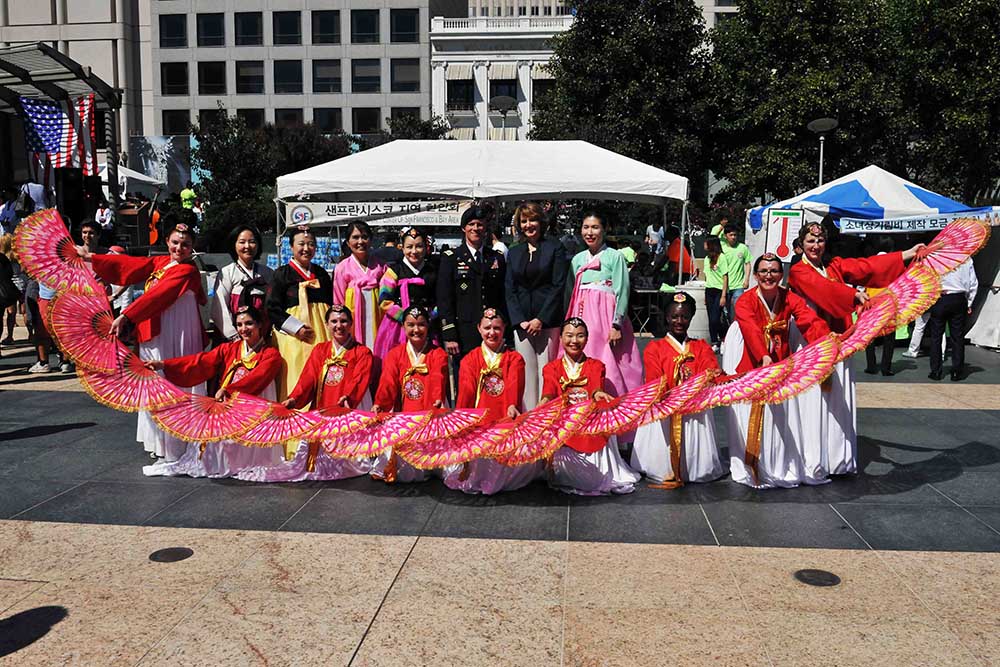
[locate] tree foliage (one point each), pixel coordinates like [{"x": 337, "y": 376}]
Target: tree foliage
[{"x": 629, "y": 77}]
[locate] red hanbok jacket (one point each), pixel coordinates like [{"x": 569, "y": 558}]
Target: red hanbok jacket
[
  {"x": 225, "y": 362},
  {"x": 832, "y": 296},
  {"x": 324, "y": 383},
  {"x": 661, "y": 357},
  {"x": 498, "y": 391},
  {"x": 162, "y": 290},
  {"x": 763, "y": 336},
  {"x": 400, "y": 390},
  {"x": 556, "y": 383}
]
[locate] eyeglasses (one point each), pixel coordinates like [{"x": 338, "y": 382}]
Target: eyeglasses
[{"x": 764, "y": 272}]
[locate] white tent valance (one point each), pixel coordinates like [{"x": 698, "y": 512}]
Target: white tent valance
[
  {"x": 458, "y": 72},
  {"x": 499, "y": 71},
  {"x": 464, "y": 133},
  {"x": 540, "y": 71},
  {"x": 485, "y": 169}
]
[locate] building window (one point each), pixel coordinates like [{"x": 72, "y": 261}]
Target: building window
[
  {"x": 254, "y": 118},
  {"x": 326, "y": 76},
  {"x": 211, "y": 30},
  {"x": 326, "y": 27},
  {"x": 522, "y": 11},
  {"x": 461, "y": 95},
  {"x": 211, "y": 78},
  {"x": 173, "y": 31},
  {"x": 366, "y": 121},
  {"x": 287, "y": 28},
  {"x": 173, "y": 79},
  {"x": 399, "y": 113},
  {"x": 405, "y": 75},
  {"x": 176, "y": 121},
  {"x": 534, "y": 10},
  {"x": 547, "y": 10},
  {"x": 404, "y": 25},
  {"x": 364, "y": 26},
  {"x": 506, "y": 87},
  {"x": 250, "y": 77},
  {"x": 249, "y": 28},
  {"x": 540, "y": 90},
  {"x": 208, "y": 117},
  {"x": 328, "y": 120},
  {"x": 287, "y": 76},
  {"x": 724, "y": 17},
  {"x": 288, "y": 117},
  {"x": 366, "y": 75}
]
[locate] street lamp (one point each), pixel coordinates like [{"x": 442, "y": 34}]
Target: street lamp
[
  {"x": 504, "y": 104},
  {"x": 822, "y": 127}
]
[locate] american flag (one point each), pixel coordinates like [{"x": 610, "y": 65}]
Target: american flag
[{"x": 59, "y": 134}]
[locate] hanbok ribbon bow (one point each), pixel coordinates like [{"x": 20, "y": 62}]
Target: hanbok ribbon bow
[
  {"x": 682, "y": 372},
  {"x": 492, "y": 368},
  {"x": 566, "y": 383},
  {"x": 773, "y": 331},
  {"x": 358, "y": 287},
  {"x": 419, "y": 369}
]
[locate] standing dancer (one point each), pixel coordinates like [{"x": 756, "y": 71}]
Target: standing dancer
[
  {"x": 335, "y": 379},
  {"x": 830, "y": 287},
  {"x": 587, "y": 465},
  {"x": 491, "y": 378},
  {"x": 356, "y": 284},
  {"x": 765, "y": 440},
  {"x": 682, "y": 448},
  {"x": 166, "y": 317},
  {"x": 245, "y": 273},
  {"x": 248, "y": 365},
  {"x": 414, "y": 378},
  {"x": 411, "y": 281}
]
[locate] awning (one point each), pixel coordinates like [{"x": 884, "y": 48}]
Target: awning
[
  {"x": 500, "y": 71},
  {"x": 38, "y": 71},
  {"x": 458, "y": 71},
  {"x": 503, "y": 133},
  {"x": 540, "y": 71},
  {"x": 463, "y": 133}
]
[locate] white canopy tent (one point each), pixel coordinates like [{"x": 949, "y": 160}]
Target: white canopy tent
[{"x": 129, "y": 180}]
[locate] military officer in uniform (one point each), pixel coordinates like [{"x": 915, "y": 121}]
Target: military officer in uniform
[{"x": 470, "y": 278}]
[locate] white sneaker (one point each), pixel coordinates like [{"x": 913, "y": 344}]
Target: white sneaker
[
  {"x": 66, "y": 367},
  {"x": 911, "y": 355},
  {"x": 39, "y": 367}
]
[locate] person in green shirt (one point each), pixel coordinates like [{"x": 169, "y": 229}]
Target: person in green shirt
[
  {"x": 719, "y": 230},
  {"x": 188, "y": 196},
  {"x": 739, "y": 267},
  {"x": 716, "y": 271}
]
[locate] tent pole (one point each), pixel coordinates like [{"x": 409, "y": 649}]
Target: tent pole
[{"x": 680, "y": 255}]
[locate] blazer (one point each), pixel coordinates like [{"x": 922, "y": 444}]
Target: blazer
[
  {"x": 464, "y": 289},
  {"x": 540, "y": 296}
]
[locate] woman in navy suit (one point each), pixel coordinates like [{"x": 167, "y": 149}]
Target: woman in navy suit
[{"x": 537, "y": 269}]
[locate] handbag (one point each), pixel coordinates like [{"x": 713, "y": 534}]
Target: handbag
[
  {"x": 9, "y": 294},
  {"x": 24, "y": 205}
]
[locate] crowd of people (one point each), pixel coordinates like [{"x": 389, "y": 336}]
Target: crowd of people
[{"x": 474, "y": 327}]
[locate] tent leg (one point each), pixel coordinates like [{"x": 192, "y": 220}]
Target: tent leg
[{"x": 111, "y": 155}]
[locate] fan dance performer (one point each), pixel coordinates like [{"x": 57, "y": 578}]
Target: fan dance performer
[
  {"x": 334, "y": 380},
  {"x": 249, "y": 366},
  {"x": 356, "y": 284},
  {"x": 414, "y": 375},
  {"x": 492, "y": 378},
  {"x": 682, "y": 448},
  {"x": 166, "y": 317},
  {"x": 586, "y": 465},
  {"x": 828, "y": 286},
  {"x": 300, "y": 294},
  {"x": 765, "y": 441},
  {"x": 412, "y": 281}
]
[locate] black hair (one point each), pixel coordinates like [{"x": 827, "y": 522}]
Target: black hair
[
  {"x": 482, "y": 212},
  {"x": 731, "y": 228},
  {"x": 356, "y": 225},
  {"x": 93, "y": 224},
  {"x": 413, "y": 233},
  {"x": 254, "y": 313},
  {"x": 685, "y": 301},
  {"x": 594, "y": 213},
  {"x": 301, "y": 229},
  {"x": 768, "y": 257},
  {"x": 416, "y": 312},
  {"x": 574, "y": 322},
  {"x": 235, "y": 234},
  {"x": 338, "y": 308}
]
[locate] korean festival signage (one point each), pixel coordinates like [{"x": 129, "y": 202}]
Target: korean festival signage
[
  {"x": 396, "y": 214},
  {"x": 782, "y": 228},
  {"x": 915, "y": 224}
]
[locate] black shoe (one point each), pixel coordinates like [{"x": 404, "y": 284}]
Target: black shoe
[
  {"x": 888, "y": 374},
  {"x": 956, "y": 376},
  {"x": 936, "y": 375},
  {"x": 871, "y": 371}
]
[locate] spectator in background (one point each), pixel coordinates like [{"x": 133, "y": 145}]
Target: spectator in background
[
  {"x": 739, "y": 267},
  {"x": 719, "y": 230},
  {"x": 389, "y": 253},
  {"x": 716, "y": 289},
  {"x": 680, "y": 265},
  {"x": 630, "y": 251},
  {"x": 8, "y": 216},
  {"x": 497, "y": 244},
  {"x": 39, "y": 196},
  {"x": 796, "y": 252},
  {"x": 958, "y": 291},
  {"x": 654, "y": 239},
  {"x": 19, "y": 278},
  {"x": 188, "y": 196}
]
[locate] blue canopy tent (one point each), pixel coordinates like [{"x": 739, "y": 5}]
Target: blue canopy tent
[{"x": 871, "y": 194}]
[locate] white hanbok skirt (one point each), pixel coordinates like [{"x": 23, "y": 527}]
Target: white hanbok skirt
[
  {"x": 220, "y": 459},
  {"x": 700, "y": 462},
  {"x": 781, "y": 461},
  {"x": 181, "y": 332},
  {"x": 486, "y": 476},
  {"x": 598, "y": 474}
]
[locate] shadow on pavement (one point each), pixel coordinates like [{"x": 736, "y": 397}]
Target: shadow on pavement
[
  {"x": 38, "y": 431},
  {"x": 26, "y": 627}
]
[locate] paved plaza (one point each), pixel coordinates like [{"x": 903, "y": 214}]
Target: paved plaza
[{"x": 362, "y": 573}]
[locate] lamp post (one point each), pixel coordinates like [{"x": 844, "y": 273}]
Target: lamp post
[
  {"x": 822, "y": 127},
  {"x": 504, "y": 104}
]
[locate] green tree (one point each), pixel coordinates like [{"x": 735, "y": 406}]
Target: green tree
[
  {"x": 782, "y": 63},
  {"x": 629, "y": 78},
  {"x": 947, "y": 53},
  {"x": 234, "y": 159}
]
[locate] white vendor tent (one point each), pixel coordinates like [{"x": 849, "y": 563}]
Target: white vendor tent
[
  {"x": 482, "y": 170},
  {"x": 130, "y": 180}
]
